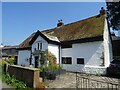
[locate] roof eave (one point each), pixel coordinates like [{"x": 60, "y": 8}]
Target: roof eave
[
  {"x": 24, "y": 48},
  {"x": 84, "y": 40}
]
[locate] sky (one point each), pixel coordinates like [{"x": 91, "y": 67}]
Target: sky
[{"x": 21, "y": 19}]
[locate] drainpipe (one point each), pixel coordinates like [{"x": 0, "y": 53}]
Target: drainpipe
[
  {"x": 59, "y": 59},
  {"x": 30, "y": 57}
]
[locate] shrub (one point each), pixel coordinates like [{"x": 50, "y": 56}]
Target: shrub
[
  {"x": 42, "y": 58},
  {"x": 2, "y": 65},
  {"x": 11, "y": 60},
  {"x": 51, "y": 58},
  {"x": 50, "y": 68},
  {"x": 43, "y": 67},
  {"x": 12, "y": 81},
  {"x": 52, "y": 65}
]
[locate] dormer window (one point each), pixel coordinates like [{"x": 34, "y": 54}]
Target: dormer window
[
  {"x": 34, "y": 49},
  {"x": 39, "y": 46}
]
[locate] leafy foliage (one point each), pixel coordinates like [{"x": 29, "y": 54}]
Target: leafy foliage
[
  {"x": 3, "y": 62},
  {"x": 11, "y": 60},
  {"x": 51, "y": 58},
  {"x": 113, "y": 14},
  {"x": 42, "y": 57},
  {"x": 52, "y": 65},
  {"x": 12, "y": 81}
]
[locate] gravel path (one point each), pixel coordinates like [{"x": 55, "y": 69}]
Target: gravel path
[{"x": 67, "y": 80}]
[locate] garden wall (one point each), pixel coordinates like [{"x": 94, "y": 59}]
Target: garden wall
[{"x": 28, "y": 75}]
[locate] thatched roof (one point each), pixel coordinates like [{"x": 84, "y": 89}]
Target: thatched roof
[
  {"x": 87, "y": 28},
  {"x": 83, "y": 29},
  {"x": 25, "y": 43}
]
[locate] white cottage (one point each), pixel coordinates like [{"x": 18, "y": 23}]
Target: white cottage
[{"x": 82, "y": 46}]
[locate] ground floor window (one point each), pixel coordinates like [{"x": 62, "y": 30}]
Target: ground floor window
[
  {"x": 66, "y": 60},
  {"x": 80, "y": 60}
]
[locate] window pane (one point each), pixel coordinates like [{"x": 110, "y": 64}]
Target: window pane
[
  {"x": 63, "y": 60},
  {"x": 38, "y": 46},
  {"x": 80, "y": 60},
  {"x": 66, "y": 60}
]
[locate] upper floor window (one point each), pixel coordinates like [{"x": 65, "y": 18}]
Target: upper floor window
[{"x": 39, "y": 46}]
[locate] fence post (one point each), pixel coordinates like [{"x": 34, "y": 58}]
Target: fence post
[
  {"x": 5, "y": 68},
  {"x": 43, "y": 72}
]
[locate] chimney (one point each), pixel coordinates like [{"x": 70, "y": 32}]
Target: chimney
[
  {"x": 102, "y": 11},
  {"x": 60, "y": 23}
]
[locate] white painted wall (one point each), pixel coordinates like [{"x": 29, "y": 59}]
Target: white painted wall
[
  {"x": 23, "y": 57},
  {"x": 35, "y": 45},
  {"x": 91, "y": 52},
  {"x": 54, "y": 49},
  {"x": 117, "y": 33},
  {"x": 44, "y": 44},
  {"x": 107, "y": 45}
]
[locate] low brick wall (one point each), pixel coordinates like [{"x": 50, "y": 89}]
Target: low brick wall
[{"x": 26, "y": 74}]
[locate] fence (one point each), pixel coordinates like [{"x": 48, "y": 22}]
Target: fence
[
  {"x": 88, "y": 83},
  {"x": 30, "y": 76}
]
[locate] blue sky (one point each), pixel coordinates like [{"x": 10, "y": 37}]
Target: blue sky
[{"x": 21, "y": 19}]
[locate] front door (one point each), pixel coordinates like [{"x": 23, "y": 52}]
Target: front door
[{"x": 36, "y": 61}]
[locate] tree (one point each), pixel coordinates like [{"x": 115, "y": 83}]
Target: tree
[{"x": 113, "y": 14}]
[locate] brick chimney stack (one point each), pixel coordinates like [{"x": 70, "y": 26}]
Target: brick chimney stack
[
  {"x": 102, "y": 11},
  {"x": 60, "y": 23}
]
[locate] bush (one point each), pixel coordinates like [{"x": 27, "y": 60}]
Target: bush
[
  {"x": 11, "y": 61},
  {"x": 2, "y": 65},
  {"x": 43, "y": 67},
  {"x": 54, "y": 67},
  {"x": 51, "y": 58},
  {"x": 12, "y": 81}
]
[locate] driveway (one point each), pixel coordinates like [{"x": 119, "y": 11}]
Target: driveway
[{"x": 68, "y": 80}]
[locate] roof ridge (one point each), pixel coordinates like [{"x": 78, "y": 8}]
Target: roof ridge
[
  {"x": 71, "y": 23},
  {"x": 81, "y": 20}
]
